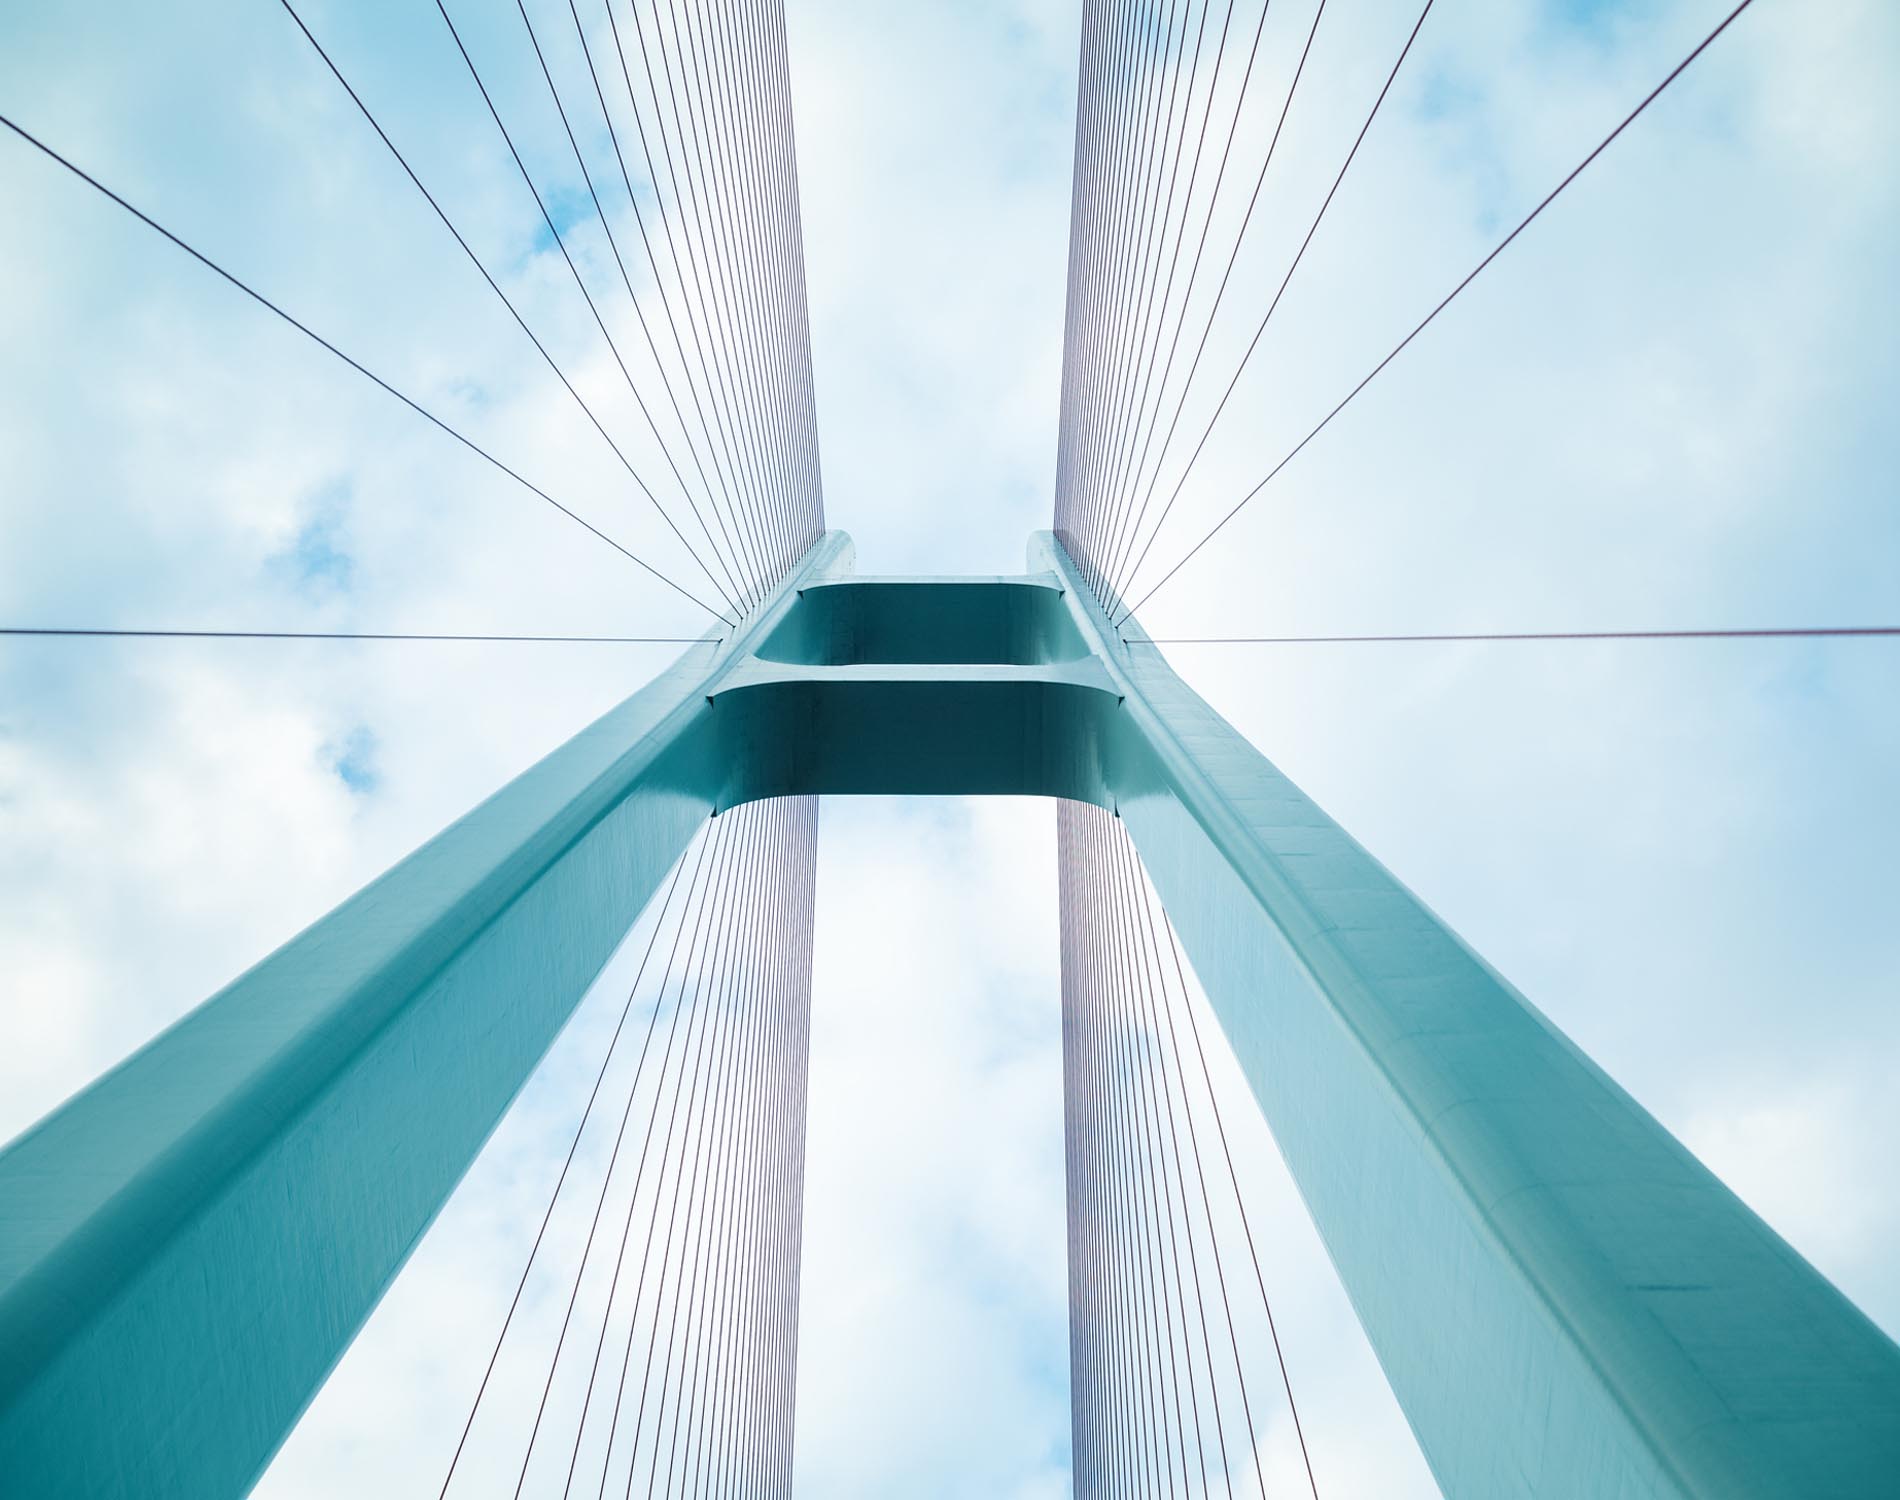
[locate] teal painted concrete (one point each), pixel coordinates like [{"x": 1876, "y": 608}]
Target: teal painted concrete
[
  {"x": 934, "y": 621},
  {"x": 1565, "y": 1301}
]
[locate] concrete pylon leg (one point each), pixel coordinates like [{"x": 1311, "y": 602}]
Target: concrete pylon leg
[
  {"x": 1565, "y": 1301},
  {"x": 188, "y": 1246}
]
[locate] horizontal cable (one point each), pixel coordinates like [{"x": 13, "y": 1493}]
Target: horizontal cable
[
  {"x": 361, "y": 369},
  {"x": 1765, "y": 632},
  {"x": 1497, "y": 250},
  {"x": 346, "y": 635}
]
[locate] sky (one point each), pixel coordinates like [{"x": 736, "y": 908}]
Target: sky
[{"x": 1668, "y": 405}]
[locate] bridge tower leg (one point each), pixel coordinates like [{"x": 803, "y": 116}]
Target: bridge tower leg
[
  {"x": 1564, "y": 1300},
  {"x": 188, "y": 1246}
]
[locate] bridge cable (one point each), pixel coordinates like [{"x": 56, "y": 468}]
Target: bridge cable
[
  {"x": 779, "y": 1271},
  {"x": 709, "y": 968},
  {"x": 705, "y": 902},
  {"x": 1126, "y": 449},
  {"x": 739, "y": 216},
  {"x": 1133, "y": 529},
  {"x": 1102, "y": 1270},
  {"x": 1133, "y": 886},
  {"x": 692, "y": 976},
  {"x": 792, "y": 861},
  {"x": 1072, "y": 1182},
  {"x": 573, "y": 1146},
  {"x": 772, "y": 271},
  {"x": 716, "y": 243},
  {"x": 1132, "y": 1238},
  {"x": 1137, "y": 360},
  {"x": 1139, "y": 257},
  {"x": 1790, "y": 632},
  {"x": 1128, "y": 216},
  {"x": 715, "y": 309},
  {"x": 1077, "y": 313},
  {"x": 1167, "y": 1011},
  {"x": 718, "y": 395},
  {"x": 1763, "y": 632},
  {"x": 732, "y": 1210},
  {"x": 723, "y": 101},
  {"x": 1445, "y": 302},
  {"x": 361, "y": 369},
  {"x": 1082, "y": 238},
  {"x": 1082, "y": 170},
  {"x": 626, "y": 280},
  {"x": 1140, "y": 263},
  {"x": 1240, "y": 1204},
  {"x": 1126, "y": 1173},
  {"x": 1299, "y": 255},
  {"x": 720, "y": 1214},
  {"x": 506, "y": 301},
  {"x": 633, "y": 1196},
  {"x": 739, "y": 1331},
  {"x": 1114, "y": 1233},
  {"x": 573, "y": 1296},
  {"x": 774, "y": 65},
  {"x": 793, "y": 1198},
  {"x": 773, "y": 57},
  {"x": 776, "y": 1191},
  {"x": 1109, "y": 135},
  {"x": 1109, "y": 1302},
  {"x": 1159, "y": 1196},
  {"x": 1081, "y": 1138},
  {"x": 706, "y": 425},
  {"x": 1110, "y": 149},
  {"x": 574, "y": 271},
  {"x": 1091, "y": 1311},
  {"x": 56, "y": 631},
  {"x": 712, "y": 1118},
  {"x": 1085, "y": 78},
  {"x": 798, "y": 296},
  {"x": 1146, "y": 1213}
]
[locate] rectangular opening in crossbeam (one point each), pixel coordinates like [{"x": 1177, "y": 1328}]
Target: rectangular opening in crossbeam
[{"x": 977, "y": 621}]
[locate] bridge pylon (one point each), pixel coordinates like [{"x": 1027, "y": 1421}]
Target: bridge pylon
[{"x": 1565, "y": 1301}]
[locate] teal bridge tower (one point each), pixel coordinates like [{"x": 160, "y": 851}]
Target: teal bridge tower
[{"x": 1566, "y": 1303}]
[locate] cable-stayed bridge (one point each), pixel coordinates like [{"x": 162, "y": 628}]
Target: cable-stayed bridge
[{"x": 1565, "y": 1301}]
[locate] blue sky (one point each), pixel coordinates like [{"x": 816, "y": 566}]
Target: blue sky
[{"x": 1668, "y": 405}]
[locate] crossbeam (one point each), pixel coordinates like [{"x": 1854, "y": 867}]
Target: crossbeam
[{"x": 1565, "y": 1301}]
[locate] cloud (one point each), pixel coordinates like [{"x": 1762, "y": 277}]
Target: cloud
[
  {"x": 353, "y": 759},
  {"x": 317, "y": 561}
]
